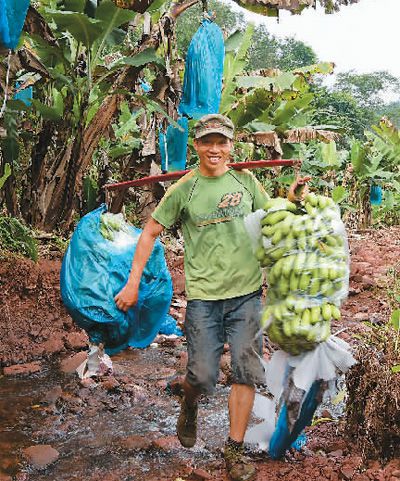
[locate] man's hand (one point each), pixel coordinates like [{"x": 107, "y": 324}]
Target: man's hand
[
  {"x": 127, "y": 297},
  {"x": 299, "y": 189}
]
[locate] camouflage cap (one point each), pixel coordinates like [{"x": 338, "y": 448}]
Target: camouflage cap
[{"x": 214, "y": 124}]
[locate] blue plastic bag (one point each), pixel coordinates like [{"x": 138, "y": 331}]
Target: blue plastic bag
[
  {"x": 95, "y": 269},
  {"x": 25, "y": 95},
  {"x": 173, "y": 146},
  {"x": 202, "y": 84},
  {"x": 169, "y": 327},
  {"x": 12, "y": 19},
  {"x": 376, "y": 195},
  {"x": 284, "y": 438}
]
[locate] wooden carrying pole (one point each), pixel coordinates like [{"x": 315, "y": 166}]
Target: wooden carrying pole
[{"x": 255, "y": 164}]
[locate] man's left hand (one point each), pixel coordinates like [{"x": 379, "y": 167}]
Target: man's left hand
[{"x": 299, "y": 189}]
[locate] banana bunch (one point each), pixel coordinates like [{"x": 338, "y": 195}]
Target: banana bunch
[
  {"x": 305, "y": 252},
  {"x": 110, "y": 224}
]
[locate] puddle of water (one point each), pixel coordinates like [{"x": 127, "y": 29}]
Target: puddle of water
[{"x": 88, "y": 434}]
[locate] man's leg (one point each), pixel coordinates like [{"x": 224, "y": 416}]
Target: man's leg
[
  {"x": 240, "y": 404},
  {"x": 205, "y": 343},
  {"x": 242, "y": 327}
]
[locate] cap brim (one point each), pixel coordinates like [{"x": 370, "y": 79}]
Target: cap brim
[{"x": 224, "y": 132}]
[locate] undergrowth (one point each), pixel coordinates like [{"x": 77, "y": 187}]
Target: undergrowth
[
  {"x": 373, "y": 386},
  {"x": 17, "y": 238}
]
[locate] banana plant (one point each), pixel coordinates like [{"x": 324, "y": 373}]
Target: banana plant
[
  {"x": 87, "y": 70},
  {"x": 236, "y": 48},
  {"x": 76, "y": 63},
  {"x": 267, "y": 101},
  {"x": 375, "y": 162}
]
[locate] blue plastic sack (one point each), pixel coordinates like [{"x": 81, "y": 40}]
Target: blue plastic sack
[
  {"x": 169, "y": 327},
  {"x": 25, "y": 95},
  {"x": 202, "y": 84},
  {"x": 283, "y": 438},
  {"x": 12, "y": 19},
  {"x": 95, "y": 269},
  {"x": 376, "y": 195},
  {"x": 173, "y": 146}
]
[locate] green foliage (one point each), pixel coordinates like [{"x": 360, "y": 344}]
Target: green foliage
[
  {"x": 6, "y": 175},
  {"x": 342, "y": 110},
  {"x": 395, "y": 319},
  {"x": 367, "y": 89},
  {"x": 271, "y": 52},
  {"x": 15, "y": 237},
  {"x": 339, "y": 194},
  {"x": 329, "y": 155},
  {"x": 391, "y": 111},
  {"x": 9, "y": 145},
  {"x": 126, "y": 132},
  {"x": 235, "y": 61},
  {"x": 54, "y": 112},
  {"x": 277, "y": 102},
  {"x": 90, "y": 189}
]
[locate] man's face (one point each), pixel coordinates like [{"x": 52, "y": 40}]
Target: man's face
[{"x": 214, "y": 151}]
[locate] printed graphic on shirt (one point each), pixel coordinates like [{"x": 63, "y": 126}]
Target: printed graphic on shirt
[
  {"x": 230, "y": 200},
  {"x": 228, "y": 208}
]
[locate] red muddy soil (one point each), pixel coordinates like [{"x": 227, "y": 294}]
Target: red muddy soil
[{"x": 134, "y": 410}]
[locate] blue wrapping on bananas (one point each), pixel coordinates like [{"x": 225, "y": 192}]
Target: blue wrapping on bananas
[{"x": 202, "y": 83}]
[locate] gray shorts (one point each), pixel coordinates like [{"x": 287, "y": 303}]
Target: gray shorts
[{"x": 208, "y": 325}]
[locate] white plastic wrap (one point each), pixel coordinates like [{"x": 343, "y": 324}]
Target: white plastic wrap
[
  {"x": 326, "y": 362},
  {"x": 98, "y": 363}
]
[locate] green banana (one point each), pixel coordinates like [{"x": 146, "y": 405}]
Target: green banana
[
  {"x": 283, "y": 286},
  {"x": 299, "y": 261},
  {"x": 312, "y": 199},
  {"x": 260, "y": 254},
  {"x": 275, "y": 217},
  {"x": 314, "y": 287},
  {"x": 304, "y": 281},
  {"x": 287, "y": 265},
  {"x": 293, "y": 282},
  {"x": 315, "y": 314},
  {"x": 277, "y": 237},
  {"x": 336, "y": 314},
  {"x": 278, "y": 203},
  {"x": 306, "y": 318},
  {"x": 326, "y": 312}
]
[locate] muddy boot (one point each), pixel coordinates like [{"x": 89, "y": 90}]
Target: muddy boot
[
  {"x": 186, "y": 427},
  {"x": 237, "y": 465}
]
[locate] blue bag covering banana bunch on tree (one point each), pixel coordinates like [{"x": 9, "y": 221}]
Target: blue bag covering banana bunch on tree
[
  {"x": 305, "y": 252},
  {"x": 202, "y": 83},
  {"x": 173, "y": 146},
  {"x": 202, "y": 88},
  {"x": 95, "y": 268},
  {"x": 12, "y": 19}
]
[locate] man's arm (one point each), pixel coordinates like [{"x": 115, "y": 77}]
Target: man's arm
[{"x": 128, "y": 296}]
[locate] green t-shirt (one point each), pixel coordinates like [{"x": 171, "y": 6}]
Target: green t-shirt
[{"x": 219, "y": 261}]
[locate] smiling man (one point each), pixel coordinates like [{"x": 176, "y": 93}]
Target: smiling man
[{"x": 223, "y": 282}]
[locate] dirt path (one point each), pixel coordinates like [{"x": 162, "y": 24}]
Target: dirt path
[{"x": 122, "y": 428}]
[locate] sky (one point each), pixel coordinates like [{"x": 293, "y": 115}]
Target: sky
[{"x": 363, "y": 37}]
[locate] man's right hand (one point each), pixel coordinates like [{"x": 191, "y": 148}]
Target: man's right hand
[{"x": 127, "y": 297}]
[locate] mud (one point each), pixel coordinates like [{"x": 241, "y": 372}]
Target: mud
[{"x": 122, "y": 427}]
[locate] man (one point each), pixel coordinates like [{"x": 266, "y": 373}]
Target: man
[{"x": 223, "y": 282}]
